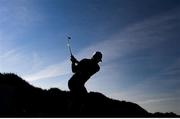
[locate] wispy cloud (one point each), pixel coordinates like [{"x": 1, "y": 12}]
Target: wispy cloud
[
  {"x": 172, "y": 69},
  {"x": 8, "y": 54},
  {"x": 159, "y": 100},
  {"x": 50, "y": 72},
  {"x": 14, "y": 60}
]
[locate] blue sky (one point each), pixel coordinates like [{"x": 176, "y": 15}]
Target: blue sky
[{"x": 139, "y": 41}]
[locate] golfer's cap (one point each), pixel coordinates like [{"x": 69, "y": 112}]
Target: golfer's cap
[{"x": 98, "y": 55}]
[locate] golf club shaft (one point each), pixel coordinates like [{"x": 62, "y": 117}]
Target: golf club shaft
[{"x": 69, "y": 46}]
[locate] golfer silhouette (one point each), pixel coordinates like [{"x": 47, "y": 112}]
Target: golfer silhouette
[{"x": 83, "y": 70}]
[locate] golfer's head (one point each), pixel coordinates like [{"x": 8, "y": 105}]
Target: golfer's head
[{"x": 97, "y": 56}]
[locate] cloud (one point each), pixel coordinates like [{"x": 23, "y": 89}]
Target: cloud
[
  {"x": 11, "y": 56},
  {"x": 15, "y": 60},
  {"x": 50, "y": 72},
  {"x": 173, "y": 69},
  {"x": 9, "y": 53},
  {"x": 158, "y": 100}
]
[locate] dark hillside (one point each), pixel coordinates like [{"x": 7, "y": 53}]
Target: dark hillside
[{"x": 20, "y": 99}]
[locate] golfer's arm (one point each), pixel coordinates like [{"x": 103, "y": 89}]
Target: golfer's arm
[{"x": 76, "y": 61}]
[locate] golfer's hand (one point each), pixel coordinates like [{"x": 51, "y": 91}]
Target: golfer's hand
[{"x": 73, "y": 59}]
